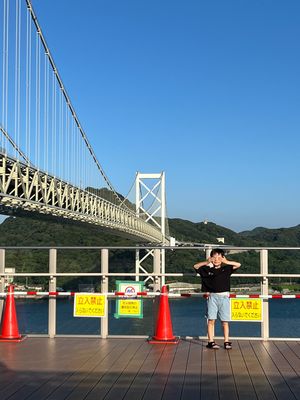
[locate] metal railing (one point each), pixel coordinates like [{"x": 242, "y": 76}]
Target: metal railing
[{"x": 104, "y": 275}]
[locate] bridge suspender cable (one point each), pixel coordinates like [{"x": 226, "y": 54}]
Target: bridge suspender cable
[
  {"x": 17, "y": 72},
  {"x": 16, "y": 147},
  {"x": 68, "y": 101},
  {"x": 47, "y": 163},
  {"x": 5, "y": 66}
]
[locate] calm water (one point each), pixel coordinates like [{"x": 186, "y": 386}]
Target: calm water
[{"x": 188, "y": 319}]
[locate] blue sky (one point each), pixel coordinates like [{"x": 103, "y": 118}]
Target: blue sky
[{"x": 207, "y": 91}]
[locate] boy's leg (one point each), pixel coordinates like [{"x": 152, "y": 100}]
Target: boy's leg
[
  {"x": 211, "y": 329},
  {"x": 212, "y": 311},
  {"x": 226, "y": 331},
  {"x": 224, "y": 313},
  {"x": 210, "y": 334}
]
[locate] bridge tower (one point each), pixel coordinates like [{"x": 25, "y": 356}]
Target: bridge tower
[{"x": 150, "y": 200}]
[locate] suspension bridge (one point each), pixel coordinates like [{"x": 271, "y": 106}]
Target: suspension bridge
[{"x": 47, "y": 164}]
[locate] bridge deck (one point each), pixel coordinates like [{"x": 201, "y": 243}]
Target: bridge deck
[{"x": 74, "y": 368}]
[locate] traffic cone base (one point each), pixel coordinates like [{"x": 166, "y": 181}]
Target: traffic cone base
[
  {"x": 13, "y": 340},
  {"x": 164, "y": 332},
  {"x": 153, "y": 340},
  {"x": 9, "y": 328}
]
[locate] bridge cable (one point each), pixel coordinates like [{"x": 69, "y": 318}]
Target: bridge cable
[
  {"x": 15, "y": 146},
  {"x": 37, "y": 99},
  {"x": 28, "y": 83},
  {"x": 17, "y": 73},
  {"x": 126, "y": 198},
  {"x": 5, "y": 63},
  {"x": 67, "y": 98}
]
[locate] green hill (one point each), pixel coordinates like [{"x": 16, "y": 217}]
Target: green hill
[
  {"x": 25, "y": 231},
  {"x": 200, "y": 232},
  {"x": 22, "y": 231},
  {"x": 286, "y": 237}
]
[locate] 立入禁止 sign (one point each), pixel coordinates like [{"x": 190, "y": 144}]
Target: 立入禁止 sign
[
  {"x": 246, "y": 310},
  {"x": 89, "y": 305}
]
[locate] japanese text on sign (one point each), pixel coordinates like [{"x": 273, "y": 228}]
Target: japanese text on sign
[
  {"x": 89, "y": 305},
  {"x": 130, "y": 307},
  {"x": 246, "y": 309}
]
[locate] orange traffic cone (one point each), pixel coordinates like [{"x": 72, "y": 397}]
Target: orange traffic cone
[
  {"x": 9, "y": 328},
  {"x": 164, "y": 331}
]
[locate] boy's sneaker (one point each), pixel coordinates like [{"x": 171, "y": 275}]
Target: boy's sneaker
[{"x": 227, "y": 345}]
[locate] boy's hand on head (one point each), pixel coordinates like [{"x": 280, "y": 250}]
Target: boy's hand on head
[{"x": 224, "y": 260}]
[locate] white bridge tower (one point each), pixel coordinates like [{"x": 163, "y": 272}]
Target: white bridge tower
[{"x": 150, "y": 200}]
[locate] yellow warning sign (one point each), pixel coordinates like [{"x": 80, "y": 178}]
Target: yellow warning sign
[
  {"x": 246, "y": 309},
  {"x": 129, "y": 308},
  {"x": 89, "y": 305}
]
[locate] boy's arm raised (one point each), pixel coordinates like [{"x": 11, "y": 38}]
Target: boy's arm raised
[
  {"x": 201, "y": 264},
  {"x": 235, "y": 264}
]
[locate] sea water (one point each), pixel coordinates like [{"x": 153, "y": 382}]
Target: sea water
[{"x": 187, "y": 314}]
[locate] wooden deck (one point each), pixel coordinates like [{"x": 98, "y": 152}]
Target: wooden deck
[{"x": 114, "y": 369}]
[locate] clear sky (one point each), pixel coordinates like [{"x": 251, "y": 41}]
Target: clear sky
[{"x": 207, "y": 91}]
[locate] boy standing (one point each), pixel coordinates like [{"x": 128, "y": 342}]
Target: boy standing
[{"x": 215, "y": 273}]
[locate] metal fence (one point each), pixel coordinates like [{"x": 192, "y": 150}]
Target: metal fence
[{"x": 104, "y": 276}]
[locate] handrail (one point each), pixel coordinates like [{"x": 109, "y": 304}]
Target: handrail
[
  {"x": 156, "y": 275},
  {"x": 147, "y": 247},
  {"x": 141, "y": 274}
]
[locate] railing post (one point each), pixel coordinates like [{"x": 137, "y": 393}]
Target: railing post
[
  {"x": 264, "y": 291},
  {"x": 104, "y": 289},
  {"x": 2, "y": 277},
  {"x": 137, "y": 264},
  {"x": 163, "y": 266},
  {"x": 207, "y": 252},
  {"x": 156, "y": 270},
  {"x": 52, "y": 288}
]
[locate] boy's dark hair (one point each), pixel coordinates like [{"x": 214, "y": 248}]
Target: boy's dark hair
[{"x": 217, "y": 251}]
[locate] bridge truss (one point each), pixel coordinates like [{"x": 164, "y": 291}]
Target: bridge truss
[
  {"x": 47, "y": 164},
  {"x": 23, "y": 188}
]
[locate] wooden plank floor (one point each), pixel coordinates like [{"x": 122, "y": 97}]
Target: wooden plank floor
[{"x": 131, "y": 369}]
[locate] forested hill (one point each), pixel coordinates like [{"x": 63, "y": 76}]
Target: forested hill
[
  {"x": 202, "y": 232},
  {"x": 187, "y": 231},
  {"x": 22, "y": 231},
  {"x": 285, "y": 237}
]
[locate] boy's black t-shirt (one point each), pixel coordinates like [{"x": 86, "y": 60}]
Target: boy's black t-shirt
[{"x": 215, "y": 280}]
